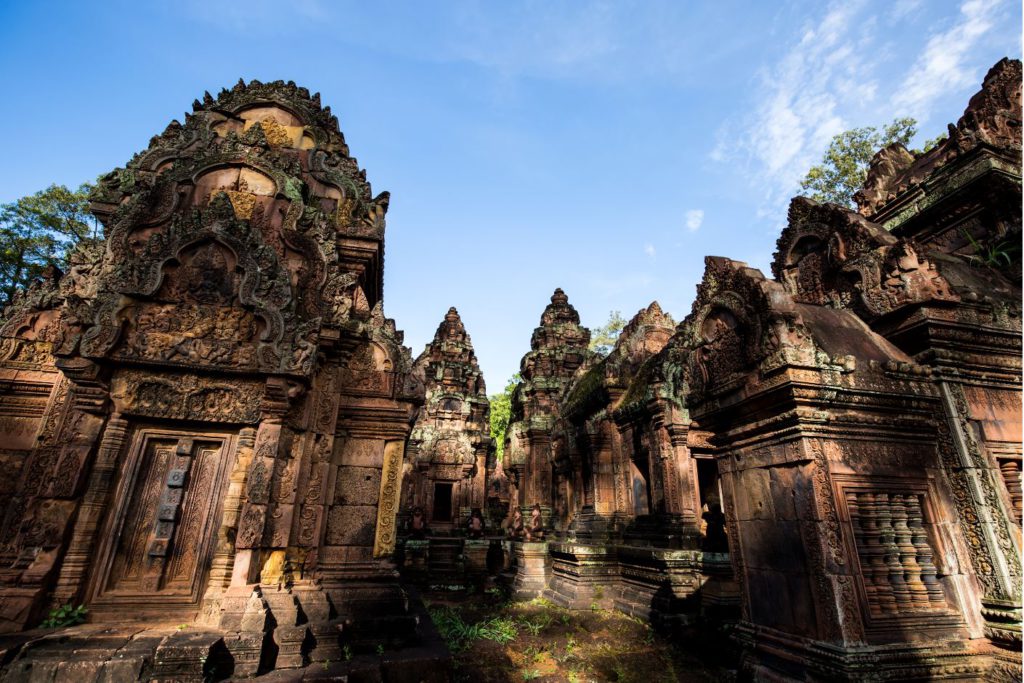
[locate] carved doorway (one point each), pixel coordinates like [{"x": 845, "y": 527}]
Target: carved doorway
[
  {"x": 442, "y": 502},
  {"x": 160, "y": 536}
]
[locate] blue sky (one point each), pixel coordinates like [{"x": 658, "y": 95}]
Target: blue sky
[{"x": 604, "y": 148}]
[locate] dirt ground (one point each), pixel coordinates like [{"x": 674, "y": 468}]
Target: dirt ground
[{"x": 496, "y": 640}]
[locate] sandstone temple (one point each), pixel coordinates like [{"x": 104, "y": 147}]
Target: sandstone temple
[{"x": 215, "y": 442}]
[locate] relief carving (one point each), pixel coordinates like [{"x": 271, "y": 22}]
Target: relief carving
[{"x": 186, "y": 396}]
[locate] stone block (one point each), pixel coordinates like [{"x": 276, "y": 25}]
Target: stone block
[
  {"x": 357, "y": 486},
  {"x": 359, "y": 452},
  {"x": 351, "y": 525}
]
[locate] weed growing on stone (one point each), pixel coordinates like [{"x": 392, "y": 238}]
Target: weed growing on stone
[{"x": 65, "y": 615}]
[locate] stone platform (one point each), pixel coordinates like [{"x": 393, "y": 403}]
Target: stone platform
[{"x": 96, "y": 652}]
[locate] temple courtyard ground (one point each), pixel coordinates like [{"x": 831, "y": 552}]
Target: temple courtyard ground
[{"x": 496, "y": 640}]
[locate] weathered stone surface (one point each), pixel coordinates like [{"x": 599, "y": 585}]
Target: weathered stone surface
[
  {"x": 210, "y": 398},
  {"x": 857, "y": 420},
  {"x": 205, "y": 423}
]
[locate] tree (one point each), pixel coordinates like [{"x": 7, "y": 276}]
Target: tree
[
  {"x": 845, "y": 166},
  {"x": 38, "y": 231},
  {"x": 603, "y": 338},
  {"x": 501, "y": 413}
]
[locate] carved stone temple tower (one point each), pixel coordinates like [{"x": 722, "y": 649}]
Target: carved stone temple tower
[
  {"x": 448, "y": 447},
  {"x": 557, "y": 349},
  {"x": 204, "y": 419}
]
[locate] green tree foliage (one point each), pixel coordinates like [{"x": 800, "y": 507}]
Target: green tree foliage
[
  {"x": 40, "y": 230},
  {"x": 501, "y": 413},
  {"x": 845, "y": 167},
  {"x": 934, "y": 142},
  {"x": 603, "y": 338}
]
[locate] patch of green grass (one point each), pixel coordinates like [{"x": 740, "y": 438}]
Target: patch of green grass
[
  {"x": 542, "y": 602},
  {"x": 499, "y": 629},
  {"x": 537, "y": 624},
  {"x": 459, "y": 634},
  {"x": 65, "y": 615},
  {"x": 619, "y": 671}
]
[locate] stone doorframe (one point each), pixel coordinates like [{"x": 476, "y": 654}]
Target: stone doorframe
[{"x": 174, "y": 606}]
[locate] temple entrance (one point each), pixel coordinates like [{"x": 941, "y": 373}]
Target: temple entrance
[
  {"x": 442, "y": 502},
  {"x": 160, "y": 534}
]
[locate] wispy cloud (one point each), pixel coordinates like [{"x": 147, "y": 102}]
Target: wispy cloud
[
  {"x": 694, "y": 219},
  {"x": 650, "y": 250},
  {"x": 838, "y": 73},
  {"x": 942, "y": 66},
  {"x": 802, "y": 95},
  {"x": 902, "y": 8}
]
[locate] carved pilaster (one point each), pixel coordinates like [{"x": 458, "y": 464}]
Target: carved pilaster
[
  {"x": 984, "y": 520},
  {"x": 387, "y": 506},
  {"x": 224, "y": 552},
  {"x": 80, "y": 551}
]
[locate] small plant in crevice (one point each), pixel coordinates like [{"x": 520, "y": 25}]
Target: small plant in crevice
[
  {"x": 992, "y": 256},
  {"x": 65, "y": 615}
]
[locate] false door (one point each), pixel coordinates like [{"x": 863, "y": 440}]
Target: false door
[{"x": 166, "y": 516}]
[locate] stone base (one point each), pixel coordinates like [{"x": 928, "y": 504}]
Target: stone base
[
  {"x": 19, "y": 607},
  {"x": 770, "y": 655},
  {"x": 97, "y": 653},
  {"x": 659, "y": 585},
  {"x": 531, "y": 560},
  {"x": 591, "y": 528},
  {"x": 662, "y": 531},
  {"x": 474, "y": 553},
  {"x": 582, "y": 576},
  {"x": 94, "y": 653},
  {"x": 720, "y": 593}
]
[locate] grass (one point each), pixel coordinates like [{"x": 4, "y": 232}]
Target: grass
[{"x": 494, "y": 640}]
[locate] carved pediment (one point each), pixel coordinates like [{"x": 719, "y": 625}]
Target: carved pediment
[
  {"x": 831, "y": 256},
  {"x": 222, "y": 241}
]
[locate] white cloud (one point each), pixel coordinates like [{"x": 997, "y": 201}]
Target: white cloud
[
  {"x": 902, "y": 8},
  {"x": 694, "y": 219},
  {"x": 838, "y": 72},
  {"x": 802, "y": 95},
  {"x": 941, "y": 66},
  {"x": 650, "y": 250}
]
